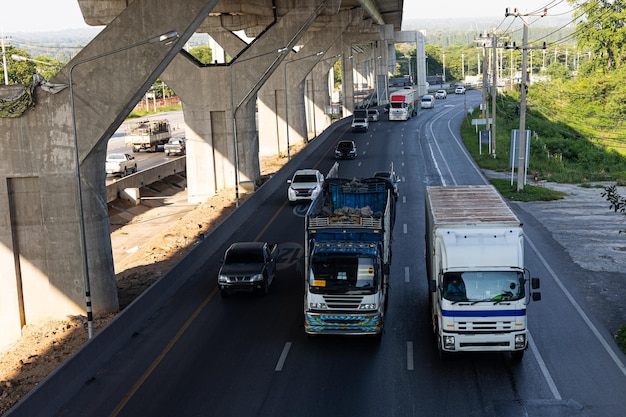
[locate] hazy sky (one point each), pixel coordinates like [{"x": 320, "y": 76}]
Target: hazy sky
[
  {"x": 49, "y": 15},
  {"x": 446, "y": 9}
]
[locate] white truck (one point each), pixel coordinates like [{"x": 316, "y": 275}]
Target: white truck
[
  {"x": 148, "y": 134},
  {"x": 479, "y": 289},
  {"x": 403, "y": 104}
]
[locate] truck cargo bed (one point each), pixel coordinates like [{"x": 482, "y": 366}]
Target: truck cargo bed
[{"x": 473, "y": 204}]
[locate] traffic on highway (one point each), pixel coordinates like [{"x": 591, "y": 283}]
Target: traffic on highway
[
  {"x": 201, "y": 354},
  {"x": 146, "y": 158}
]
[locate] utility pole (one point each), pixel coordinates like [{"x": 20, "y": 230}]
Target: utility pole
[
  {"x": 463, "y": 66},
  {"x": 521, "y": 157},
  {"x": 4, "y": 61},
  {"x": 494, "y": 92},
  {"x": 491, "y": 42}
]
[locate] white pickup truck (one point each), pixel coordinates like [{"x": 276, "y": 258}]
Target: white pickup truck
[{"x": 120, "y": 164}]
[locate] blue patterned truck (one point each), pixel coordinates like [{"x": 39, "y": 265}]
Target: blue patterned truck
[{"x": 348, "y": 256}]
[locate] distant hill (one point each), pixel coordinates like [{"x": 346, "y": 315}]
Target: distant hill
[
  {"x": 64, "y": 44},
  {"x": 446, "y": 32},
  {"x": 60, "y": 45}
]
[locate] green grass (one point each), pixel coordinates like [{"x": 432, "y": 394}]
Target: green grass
[
  {"x": 143, "y": 113},
  {"x": 529, "y": 193}
]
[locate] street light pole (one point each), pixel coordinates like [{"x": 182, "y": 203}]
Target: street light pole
[{"x": 166, "y": 37}]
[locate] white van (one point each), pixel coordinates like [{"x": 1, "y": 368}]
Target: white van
[{"x": 428, "y": 102}]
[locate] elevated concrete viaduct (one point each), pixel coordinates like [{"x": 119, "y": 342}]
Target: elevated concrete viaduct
[{"x": 51, "y": 208}]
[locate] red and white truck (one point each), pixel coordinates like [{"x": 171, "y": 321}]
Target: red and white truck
[{"x": 403, "y": 104}]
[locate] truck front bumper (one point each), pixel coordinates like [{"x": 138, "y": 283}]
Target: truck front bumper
[
  {"x": 342, "y": 323},
  {"x": 481, "y": 342}
]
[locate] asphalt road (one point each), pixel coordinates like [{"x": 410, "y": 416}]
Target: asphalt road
[{"x": 201, "y": 355}]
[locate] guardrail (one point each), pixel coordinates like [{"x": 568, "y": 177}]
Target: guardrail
[{"x": 145, "y": 177}]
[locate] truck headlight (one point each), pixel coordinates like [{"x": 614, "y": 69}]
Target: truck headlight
[
  {"x": 520, "y": 341},
  {"x": 367, "y": 306},
  {"x": 256, "y": 277},
  {"x": 318, "y": 306},
  {"x": 448, "y": 342},
  {"x": 222, "y": 279}
]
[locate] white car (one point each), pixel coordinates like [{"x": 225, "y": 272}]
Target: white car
[
  {"x": 373, "y": 115},
  {"x": 459, "y": 90},
  {"x": 428, "y": 102},
  {"x": 305, "y": 185},
  {"x": 441, "y": 94}
]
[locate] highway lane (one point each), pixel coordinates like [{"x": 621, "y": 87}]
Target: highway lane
[{"x": 248, "y": 355}]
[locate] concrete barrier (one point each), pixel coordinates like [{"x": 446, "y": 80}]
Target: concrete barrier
[
  {"x": 145, "y": 177},
  {"x": 60, "y": 386}
]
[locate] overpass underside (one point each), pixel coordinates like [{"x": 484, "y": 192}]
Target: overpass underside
[{"x": 55, "y": 238}]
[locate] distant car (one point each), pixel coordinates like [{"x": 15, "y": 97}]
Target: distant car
[
  {"x": 175, "y": 146},
  {"x": 305, "y": 184},
  {"x": 441, "y": 94},
  {"x": 428, "y": 102},
  {"x": 392, "y": 178},
  {"x": 120, "y": 164},
  {"x": 360, "y": 121},
  {"x": 346, "y": 149},
  {"x": 459, "y": 90},
  {"x": 373, "y": 115}
]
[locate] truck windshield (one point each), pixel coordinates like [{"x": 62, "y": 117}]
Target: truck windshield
[
  {"x": 398, "y": 105},
  {"x": 483, "y": 286},
  {"x": 347, "y": 272}
]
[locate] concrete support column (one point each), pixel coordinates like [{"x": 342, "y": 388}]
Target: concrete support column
[
  {"x": 40, "y": 214},
  {"x": 347, "y": 81},
  {"x": 319, "y": 90},
  {"x": 213, "y": 95},
  {"x": 282, "y": 97}
]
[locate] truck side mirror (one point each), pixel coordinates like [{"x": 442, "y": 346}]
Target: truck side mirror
[
  {"x": 535, "y": 283},
  {"x": 536, "y": 296},
  {"x": 432, "y": 285}
]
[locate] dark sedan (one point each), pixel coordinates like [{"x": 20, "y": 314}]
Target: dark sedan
[{"x": 346, "y": 149}]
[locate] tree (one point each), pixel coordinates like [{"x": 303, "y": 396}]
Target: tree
[
  {"x": 556, "y": 70},
  {"x": 337, "y": 68},
  {"x": 602, "y": 30},
  {"x": 19, "y": 72},
  {"x": 204, "y": 54},
  {"x": 618, "y": 203}
]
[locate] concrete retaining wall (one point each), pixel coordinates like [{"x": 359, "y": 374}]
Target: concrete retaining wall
[{"x": 60, "y": 386}]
